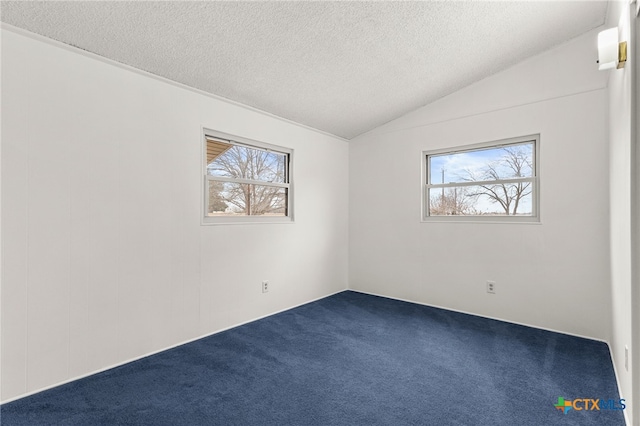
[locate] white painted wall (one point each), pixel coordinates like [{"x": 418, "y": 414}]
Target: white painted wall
[
  {"x": 553, "y": 275},
  {"x": 104, "y": 258},
  {"x": 635, "y": 285},
  {"x": 621, "y": 159}
]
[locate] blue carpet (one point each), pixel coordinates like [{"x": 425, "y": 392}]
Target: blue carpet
[{"x": 348, "y": 359}]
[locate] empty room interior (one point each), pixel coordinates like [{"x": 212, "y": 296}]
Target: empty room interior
[{"x": 327, "y": 213}]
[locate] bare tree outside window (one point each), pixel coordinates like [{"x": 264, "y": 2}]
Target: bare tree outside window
[
  {"x": 515, "y": 162},
  {"x": 496, "y": 180},
  {"x": 452, "y": 201},
  {"x": 216, "y": 200},
  {"x": 246, "y": 181}
]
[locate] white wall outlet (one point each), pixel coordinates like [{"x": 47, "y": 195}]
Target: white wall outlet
[
  {"x": 491, "y": 287},
  {"x": 626, "y": 357},
  {"x": 265, "y": 286}
]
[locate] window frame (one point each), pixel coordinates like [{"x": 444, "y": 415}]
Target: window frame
[
  {"x": 535, "y": 217},
  {"x": 253, "y": 144}
]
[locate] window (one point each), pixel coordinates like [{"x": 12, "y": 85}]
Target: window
[
  {"x": 495, "y": 181},
  {"x": 245, "y": 181}
]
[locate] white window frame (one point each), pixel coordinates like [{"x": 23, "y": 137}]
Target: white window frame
[
  {"x": 426, "y": 185},
  {"x": 240, "y": 141}
]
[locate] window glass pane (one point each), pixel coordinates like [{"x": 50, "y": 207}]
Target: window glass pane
[
  {"x": 239, "y": 199},
  {"x": 241, "y": 162},
  {"x": 482, "y": 200},
  {"x": 506, "y": 162}
]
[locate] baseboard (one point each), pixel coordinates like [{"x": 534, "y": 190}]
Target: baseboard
[
  {"x": 481, "y": 316},
  {"x": 119, "y": 364},
  {"x": 615, "y": 370}
]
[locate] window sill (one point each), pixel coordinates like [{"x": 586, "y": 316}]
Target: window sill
[
  {"x": 510, "y": 221},
  {"x": 246, "y": 220}
]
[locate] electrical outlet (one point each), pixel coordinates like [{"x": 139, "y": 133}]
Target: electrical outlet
[
  {"x": 265, "y": 286},
  {"x": 626, "y": 357},
  {"x": 491, "y": 287}
]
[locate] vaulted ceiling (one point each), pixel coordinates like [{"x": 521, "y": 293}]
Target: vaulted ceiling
[{"x": 338, "y": 66}]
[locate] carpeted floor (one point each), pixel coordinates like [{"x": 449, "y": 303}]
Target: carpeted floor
[{"x": 349, "y": 359}]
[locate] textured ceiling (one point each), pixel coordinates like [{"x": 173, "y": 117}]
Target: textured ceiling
[{"x": 341, "y": 67}]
